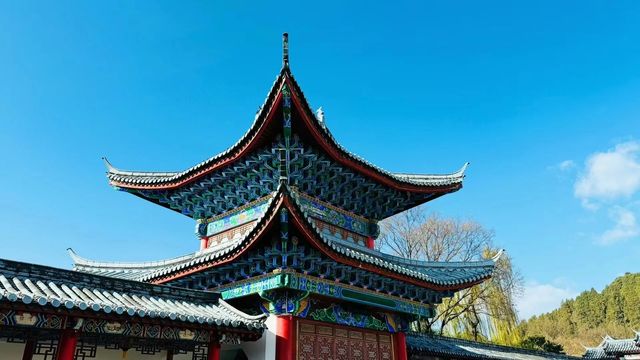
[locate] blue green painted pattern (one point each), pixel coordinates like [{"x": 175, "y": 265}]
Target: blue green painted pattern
[
  {"x": 258, "y": 175},
  {"x": 338, "y": 315},
  {"x": 325, "y": 288},
  {"x": 268, "y": 283},
  {"x": 338, "y": 218},
  {"x": 233, "y": 220},
  {"x": 286, "y": 113},
  {"x": 285, "y": 302}
]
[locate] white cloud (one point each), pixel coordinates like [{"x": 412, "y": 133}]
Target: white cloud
[
  {"x": 610, "y": 175},
  {"x": 565, "y": 165},
  {"x": 612, "y": 178},
  {"x": 563, "y": 169},
  {"x": 626, "y": 226},
  {"x": 542, "y": 298}
]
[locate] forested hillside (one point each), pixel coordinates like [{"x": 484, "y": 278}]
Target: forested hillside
[{"x": 587, "y": 318}]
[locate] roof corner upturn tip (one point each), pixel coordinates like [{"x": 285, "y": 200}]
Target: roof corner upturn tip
[
  {"x": 260, "y": 317},
  {"x": 77, "y": 259},
  {"x": 107, "y": 163},
  {"x": 463, "y": 169},
  {"x": 498, "y": 255}
]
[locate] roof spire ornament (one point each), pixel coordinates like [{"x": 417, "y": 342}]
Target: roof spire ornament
[{"x": 285, "y": 50}]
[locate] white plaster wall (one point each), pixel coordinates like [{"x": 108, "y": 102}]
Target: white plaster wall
[
  {"x": 187, "y": 356},
  {"x": 11, "y": 350},
  {"x": 262, "y": 349}
]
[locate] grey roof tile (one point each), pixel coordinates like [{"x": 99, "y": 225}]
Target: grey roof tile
[
  {"x": 45, "y": 286},
  {"x": 611, "y": 348},
  {"x": 464, "y": 349}
]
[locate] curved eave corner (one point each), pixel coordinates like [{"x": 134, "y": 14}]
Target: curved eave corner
[
  {"x": 170, "y": 180},
  {"x": 166, "y": 270},
  {"x": 409, "y": 182}
]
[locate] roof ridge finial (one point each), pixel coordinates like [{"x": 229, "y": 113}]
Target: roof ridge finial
[
  {"x": 285, "y": 50},
  {"x": 320, "y": 114}
]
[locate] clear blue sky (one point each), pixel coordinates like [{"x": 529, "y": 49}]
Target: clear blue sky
[{"x": 527, "y": 93}]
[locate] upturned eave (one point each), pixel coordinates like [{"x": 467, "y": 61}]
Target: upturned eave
[
  {"x": 440, "y": 276},
  {"x": 438, "y": 184}
]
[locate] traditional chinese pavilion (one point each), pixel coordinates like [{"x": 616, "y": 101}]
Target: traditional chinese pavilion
[{"x": 287, "y": 221}]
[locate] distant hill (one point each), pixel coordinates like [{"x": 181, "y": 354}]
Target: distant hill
[{"x": 590, "y": 316}]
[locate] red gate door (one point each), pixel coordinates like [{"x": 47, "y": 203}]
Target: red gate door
[{"x": 320, "y": 341}]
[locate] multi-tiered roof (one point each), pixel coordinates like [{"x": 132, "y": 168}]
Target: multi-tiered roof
[{"x": 288, "y": 200}]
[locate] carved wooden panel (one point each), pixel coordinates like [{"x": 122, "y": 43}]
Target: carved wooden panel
[
  {"x": 357, "y": 349},
  {"x": 342, "y": 348},
  {"x": 321, "y": 341},
  {"x": 307, "y": 347},
  {"x": 326, "y": 347},
  {"x": 371, "y": 350}
]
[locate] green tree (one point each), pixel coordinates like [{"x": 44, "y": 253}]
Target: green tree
[
  {"x": 589, "y": 310},
  {"x": 614, "y": 305},
  {"x": 584, "y": 320}
]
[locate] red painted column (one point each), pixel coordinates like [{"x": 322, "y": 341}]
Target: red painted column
[
  {"x": 214, "y": 350},
  {"x": 370, "y": 242},
  {"x": 67, "y": 345},
  {"x": 401, "y": 346},
  {"x": 285, "y": 337},
  {"x": 203, "y": 242},
  {"x": 29, "y": 347}
]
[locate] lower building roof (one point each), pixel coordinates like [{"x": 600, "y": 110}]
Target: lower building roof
[
  {"x": 450, "y": 348},
  {"x": 611, "y": 348},
  {"x": 42, "y": 286}
]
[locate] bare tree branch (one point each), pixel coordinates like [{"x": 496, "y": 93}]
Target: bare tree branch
[{"x": 417, "y": 235}]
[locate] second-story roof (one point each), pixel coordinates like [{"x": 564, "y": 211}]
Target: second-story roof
[{"x": 441, "y": 275}]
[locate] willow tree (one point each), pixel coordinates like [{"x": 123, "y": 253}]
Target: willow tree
[{"x": 483, "y": 312}]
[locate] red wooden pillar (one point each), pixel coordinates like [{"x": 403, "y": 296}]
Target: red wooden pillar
[
  {"x": 214, "y": 349},
  {"x": 67, "y": 344},
  {"x": 285, "y": 337},
  {"x": 203, "y": 242},
  {"x": 29, "y": 347},
  {"x": 401, "y": 346},
  {"x": 370, "y": 242}
]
